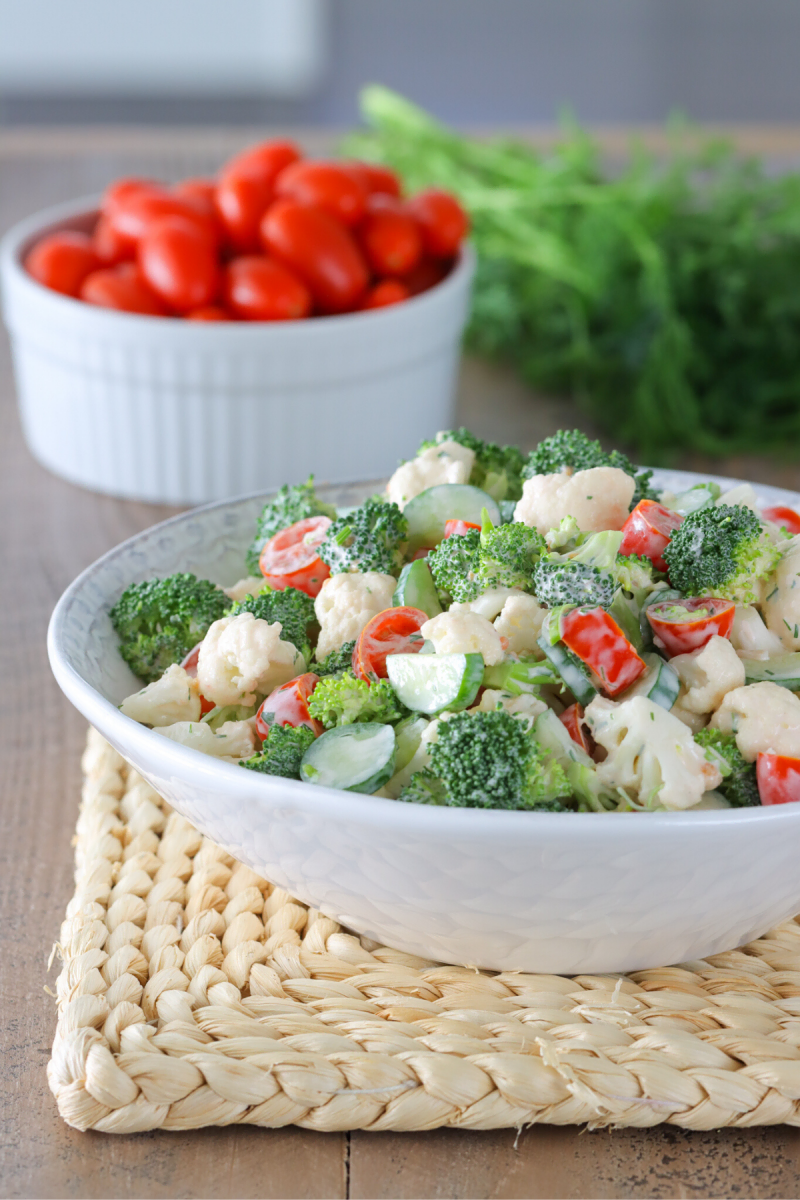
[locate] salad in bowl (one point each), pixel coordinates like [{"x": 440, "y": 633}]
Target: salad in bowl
[{"x": 551, "y": 634}]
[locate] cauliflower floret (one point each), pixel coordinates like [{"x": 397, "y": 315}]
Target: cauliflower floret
[
  {"x": 173, "y": 697},
  {"x": 464, "y": 633},
  {"x": 250, "y": 586},
  {"x": 651, "y": 754},
  {"x": 598, "y": 499},
  {"x": 489, "y": 604},
  {"x": 346, "y": 603},
  {"x": 743, "y": 494},
  {"x": 520, "y": 623},
  {"x": 764, "y": 717},
  {"x": 243, "y": 657},
  {"x": 525, "y": 705},
  {"x": 232, "y": 741},
  {"x": 447, "y": 462},
  {"x": 782, "y": 598},
  {"x": 706, "y": 675},
  {"x": 750, "y": 637}
]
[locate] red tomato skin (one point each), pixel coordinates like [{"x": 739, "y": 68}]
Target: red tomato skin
[
  {"x": 266, "y": 159},
  {"x": 375, "y": 179},
  {"x": 211, "y": 312},
  {"x": 682, "y": 637},
  {"x": 134, "y": 213},
  {"x": 320, "y": 250},
  {"x": 425, "y": 275},
  {"x": 179, "y": 263},
  {"x": 289, "y": 706},
  {"x": 571, "y": 718},
  {"x": 197, "y": 191},
  {"x": 241, "y": 199},
  {"x": 189, "y": 665},
  {"x": 289, "y": 558},
  {"x": 442, "y": 221},
  {"x": 595, "y": 637},
  {"x": 391, "y": 242},
  {"x": 256, "y": 288},
  {"x": 647, "y": 532},
  {"x": 389, "y": 632},
  {"x": 384, "y": 295},
  {"x": 326, "y": 185},
  {"x": 423, "y": 552},
  {"x": 62, "y": 261},
  {"x": 778, "y": 778},
  {"x": 122, "y": 288},
  {"x": 783, "y": 516},
  {"x": 109, "y": 247},
  {"x": 457, "y": 527}
]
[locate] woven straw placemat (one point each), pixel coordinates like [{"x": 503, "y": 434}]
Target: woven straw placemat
[{"x": 194, "y": 993}]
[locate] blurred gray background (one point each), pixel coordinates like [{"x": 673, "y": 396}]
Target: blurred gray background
[{"x": 473, "y": 62}]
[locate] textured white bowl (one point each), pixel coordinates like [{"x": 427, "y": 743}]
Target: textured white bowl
[
  {"x": 550, "y": 892},
  {"x": 183, "y": 412}
]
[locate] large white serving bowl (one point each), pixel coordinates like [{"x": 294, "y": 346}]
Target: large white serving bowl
[
  {"x": 182, "y": 412},
  {"x": 552, "y": 892}
]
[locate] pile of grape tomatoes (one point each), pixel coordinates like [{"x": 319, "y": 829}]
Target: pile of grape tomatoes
[{"x": 275, "y": 237}]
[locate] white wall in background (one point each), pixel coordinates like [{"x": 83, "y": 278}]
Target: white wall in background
[{"x": 140, "y": 46}]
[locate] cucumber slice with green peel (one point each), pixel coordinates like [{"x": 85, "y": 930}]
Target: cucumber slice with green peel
[
  {"x": 665, "y": 686},
  {"x": 552, "y": 736},
  {"x": 426, "y": 513},
  {"x": 574, "y": 675},
  {"x": 409, "y": 735},
  {"x": 416, "y": 588},
  {"x": 783, "y": 669},
  {"x": 355, "y": 758},
  {"x": 431, "y": 683},
  {"x": 519, "y": 678},
  {"x": 695, "y": 498},
  {"x": 627, "y": 619}
]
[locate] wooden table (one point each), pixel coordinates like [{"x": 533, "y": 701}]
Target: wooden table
[{"x": 50, "y": 531}]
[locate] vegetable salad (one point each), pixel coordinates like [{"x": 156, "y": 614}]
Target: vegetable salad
[{"x": 547, "y": 634}]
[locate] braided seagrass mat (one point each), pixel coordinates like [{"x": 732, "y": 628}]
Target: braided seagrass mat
[{"x": 193, "y": 993}]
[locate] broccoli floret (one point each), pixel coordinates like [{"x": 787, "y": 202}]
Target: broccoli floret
[
  {"x": 739, "y": 785},
  {"x": 158, "y": 622},
  {"x": 454, "y": 565},
  {"x": 336, "y": 662},
  {"x": 571, "y": 448},
  {"x": 282, "y": 752},
  {"x": 722, "y": 550},
  {"x": 345, "y": 700},
  {"x": 497, "y": 469},
  {"x": 508, "y": 554},
  {"x": 424, "y": 788},
  {"x": 565, "y": 582},
  {"x": 291, "y": 504},
  {"x": 634, "y": 573},
  {"x": 367, "y": 539},
  {"x": 488, "y": 760},
  {"x": 565, "y": 537},
  {"x": 293, "y": 608}
]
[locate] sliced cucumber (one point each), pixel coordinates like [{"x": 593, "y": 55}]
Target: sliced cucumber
[
  {"x": 783, "y": 669},
  {"x": 626, "y": 616},
  {"x": 355, "y": 758},
  {"x": 571, "y": 669},
  {"x": 518, "y": 678},
  {"x": 552, "y": 736},
  {"x": 697, "y": 497},
  {"x": 409, "y": 735},
  {"x": 431, "y": 683},
  {"x": 416, "y": 588},
  {"x": 426, "y": 513},
  {"x": 665, "y": 686}
]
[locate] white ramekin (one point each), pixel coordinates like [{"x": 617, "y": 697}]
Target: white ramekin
[{"x": 181, "y": 412}]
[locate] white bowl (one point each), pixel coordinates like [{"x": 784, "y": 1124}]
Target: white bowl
[
  {"x": 550, "y": 892},
  {"x": 183, "y": 412}
]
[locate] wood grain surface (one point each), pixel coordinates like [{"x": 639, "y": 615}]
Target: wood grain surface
[{"x": 50, "y": 531}]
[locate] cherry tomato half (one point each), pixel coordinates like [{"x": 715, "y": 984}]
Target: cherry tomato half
[
  {"x": 442, "y": 220},
  {"x": 785, "y": 517},
  {"x": 326, "y": 185},
  {"x": 778, "y": 778},
  {"x": 109, "y": 247},
  {"x": 595, "y": 637},
  {"x": 321, "y": 251},
  {"x": 288, "y": 705},
  {"x": 648, "y": 530},
  {"x": 393, "y": 631},
  {"x": 189, "y": 665},
  {"x": 260, "y": 289},
  {"x": 62, "y": 261},
  {"x": 384, "y": 294},
  {"x": 179, "y": 263},
  {"x": 686, "y": 625},
  {"x": 572, "y": 720},
  {"x": 211, "y": 312},
  {"x": 391, "y": 241},
  {"x": 122, "y": 288},
  {"x": 457, "y": 527},
  {"x": 290, "y": 559}
]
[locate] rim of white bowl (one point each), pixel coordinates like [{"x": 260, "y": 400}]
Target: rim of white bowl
[
  {"x": 354, "y": 806},
  {"x": 21, "y": 236}
]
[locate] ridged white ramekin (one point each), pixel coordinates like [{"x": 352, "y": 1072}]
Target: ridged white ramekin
[{"x": 183, "y": 412}]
